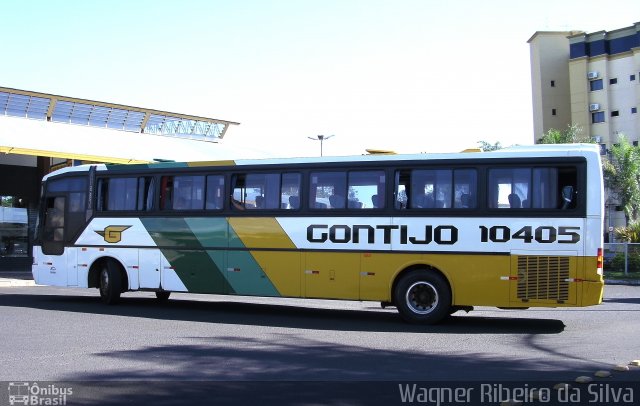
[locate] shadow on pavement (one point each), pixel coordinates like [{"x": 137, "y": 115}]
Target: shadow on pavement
[{"x": 277, "y": 315}]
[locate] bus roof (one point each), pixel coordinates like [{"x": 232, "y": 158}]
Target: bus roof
[{"x": 519, "y": 151}]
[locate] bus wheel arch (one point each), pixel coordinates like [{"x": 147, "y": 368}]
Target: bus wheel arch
[
  {"x": 422, "y": 294},
  {"x": 109, "y": 276}
]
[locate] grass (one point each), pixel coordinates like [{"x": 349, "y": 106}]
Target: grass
[{"x": 621, "y": 276}]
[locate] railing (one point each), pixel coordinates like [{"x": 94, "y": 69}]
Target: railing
[{"x": 622, "y": 258}]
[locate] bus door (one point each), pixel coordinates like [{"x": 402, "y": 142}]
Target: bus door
[
  {"x": 64, "y": 216},
  {"x": 53, "y": 263},
  {"x": 149, "y": 272}
]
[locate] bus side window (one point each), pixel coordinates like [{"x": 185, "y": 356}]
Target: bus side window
[
  {"x": 363, "y": 186},
  {"x": 166, "y": 193},
  {"x": 402, "y": 188},
  {"x": 145, "y": 193},
  {"x": 290, "y": 191},
  {"x": 54, "y": 220},
  {"x": 188, "y": 193},
  {"x": 215, "y": 192},
  {"x": 328, "y": 190},
  {"x": 465, "y": 183}
]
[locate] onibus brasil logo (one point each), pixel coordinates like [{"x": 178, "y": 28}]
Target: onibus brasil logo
[
  {"x": 24, "y": 393},
  {"x": 112, "y": 234}
]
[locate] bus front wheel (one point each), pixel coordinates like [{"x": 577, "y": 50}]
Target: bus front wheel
[
  {"x": 423, "y": 297},
  {"x": 110, "y": 283},
  {"x": 163, "y": 295}
]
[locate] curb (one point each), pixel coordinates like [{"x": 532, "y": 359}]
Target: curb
[
  {"x": 7, "y": 283},
  {"x": 631, "y": 282}
]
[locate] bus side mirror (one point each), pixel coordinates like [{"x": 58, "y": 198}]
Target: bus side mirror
[{"x": 567, "y": 196}]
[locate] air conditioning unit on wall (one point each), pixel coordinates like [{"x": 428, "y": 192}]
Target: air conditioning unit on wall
[
  {"x": 592, "y": 75},
  {"x": 594, "y": 107}
]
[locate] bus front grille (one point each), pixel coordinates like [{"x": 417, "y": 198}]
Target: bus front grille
[{"x": 543, "y": 278}]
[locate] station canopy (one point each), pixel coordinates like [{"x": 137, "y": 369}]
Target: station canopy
[{"x": 132, "y": 134}]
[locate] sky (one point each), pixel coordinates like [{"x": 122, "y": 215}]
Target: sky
[{"x": 404, "y": 75}]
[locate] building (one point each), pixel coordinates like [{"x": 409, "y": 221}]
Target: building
[
  {"x": 41, "y": 132},
  {"x": 591, "y": 80}
]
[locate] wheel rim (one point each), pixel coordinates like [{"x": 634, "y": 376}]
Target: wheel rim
[
  {"x": 422, "y": 297},
  {"x": 104, "y": 282}
]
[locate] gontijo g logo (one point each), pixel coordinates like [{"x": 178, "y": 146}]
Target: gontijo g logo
[{"x": 112, "y": 234}]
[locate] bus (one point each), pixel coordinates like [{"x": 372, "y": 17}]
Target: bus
[{"x": 430, "y": 234}]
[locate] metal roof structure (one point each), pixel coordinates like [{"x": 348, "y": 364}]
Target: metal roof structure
[
  {"x": 42, "y": 106},
  {"x": 81, "y": 112}
]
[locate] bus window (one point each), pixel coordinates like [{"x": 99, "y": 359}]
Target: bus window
[
  {"x": 328, "y": 190},
  {"x": 465, "y": 188},
  {"x": 187, "y": 193},
  {"x": 145, "y": 193},
  {"x": 536, "y": 188},
  {"x": 64, "y": 212},
  {"x": 401, "y": 194},
  {"x": 259, "y": 191},
  {"x": 509, "y": 188},
  {"x": 117, "y": 194},
  {"x": 215, "y": 192},
  {"x": 424, "y": 189},
  {"x": 54, "y": 226},
  {"x": 290, "y": 191},
  {"x": 436, "y": 189},
  {"x": 366, "y": 190},
  {"x": 122, "y": 194}
]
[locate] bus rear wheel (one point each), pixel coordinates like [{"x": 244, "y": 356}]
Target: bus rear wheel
[
  {"x": 423, "y": 297},
  {"x": 110, "y": 283}
]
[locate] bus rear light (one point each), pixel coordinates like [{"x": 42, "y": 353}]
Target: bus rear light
[{"x": 600, "y": 261}]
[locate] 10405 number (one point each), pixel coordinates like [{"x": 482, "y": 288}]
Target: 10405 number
[{"x": 541, "y": 234}]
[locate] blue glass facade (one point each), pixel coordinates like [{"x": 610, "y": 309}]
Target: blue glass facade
[{"x": 605, "y": 46}]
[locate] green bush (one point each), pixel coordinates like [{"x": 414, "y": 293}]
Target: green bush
[{"x": 617, "y": 264}]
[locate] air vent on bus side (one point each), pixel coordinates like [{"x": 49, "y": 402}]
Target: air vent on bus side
[{"x": 543, "y": 278}]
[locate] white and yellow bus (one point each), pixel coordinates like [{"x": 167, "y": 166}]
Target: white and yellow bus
[{"x": 428, "y": 233}]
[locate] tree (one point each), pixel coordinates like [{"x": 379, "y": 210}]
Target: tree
[
  {"x": 622, "y": 176},
  {"x": 486, "y": 147},
  {"x": 630, "y": 233},
  {"x": 572, "y": 134}
]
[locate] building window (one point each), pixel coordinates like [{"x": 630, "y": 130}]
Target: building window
[
  {"x": 613, "y": 81},
  {"x": 632, "y": 77},
  {"x": 597, "y": 117},
  {"x": 635, "y": 143},
  {"x": 615, "y": 113},
  {"x": 14, "y": 241},
  {"x": 596, "y": 85},
  {"x": 553, "y": 83},
  {"x": 634, "y": 110},
  {"x": 553, "y": 112}
]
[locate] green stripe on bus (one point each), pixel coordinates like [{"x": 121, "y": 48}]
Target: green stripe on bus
[
  {"x": 196, "y": 268},
  {"x": 243, "y": 273}
]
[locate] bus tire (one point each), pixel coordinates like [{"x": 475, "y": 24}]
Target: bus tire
[
  {"x": 423, "y": 297},
  {"x": 110, "y": 283},
  {"x": 163, "y": 295}
]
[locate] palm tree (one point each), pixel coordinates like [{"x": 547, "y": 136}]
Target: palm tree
[{"x": 622, "y": 176}]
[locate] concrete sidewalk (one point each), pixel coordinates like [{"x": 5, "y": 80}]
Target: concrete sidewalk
[{"x": 9, "y": 279}]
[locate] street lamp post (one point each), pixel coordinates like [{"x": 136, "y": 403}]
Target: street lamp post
[{"x": 320, "y": 138}]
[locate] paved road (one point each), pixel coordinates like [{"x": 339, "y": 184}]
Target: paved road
[{"x": 57, "y": 334}]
